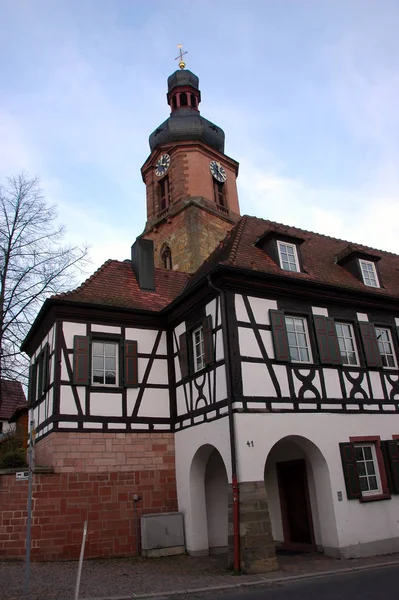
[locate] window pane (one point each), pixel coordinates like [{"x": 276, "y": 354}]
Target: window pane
[
  {"x": 300, "y": 326},
  {"x": 370, "y": 468},
  {"x": 359, "y": 453},
  {"x": 110, "y": 349},
  {"x": 373, "y": 483},
  {"x": 291, "y": 339},
  {"x": 110, "y": 378},
  {"x": 363, "y": 484},
  {"x": 304, "y": 354},
  {"x": 289, "y": 323},
  {"x": 367, "y": 453},
  {"x": 110, "y": 364},
  {"x": 98, "y": 363},
  {"x": 294, "y": 353},
  {"x": 361, "y": 469},
  {"x": 98, "y": 349},
  {"x": 98, "y": 376},
  {"x": 352, "y": 359}
]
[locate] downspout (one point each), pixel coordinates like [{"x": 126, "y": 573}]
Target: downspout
[{"x": 234, "y": 480}]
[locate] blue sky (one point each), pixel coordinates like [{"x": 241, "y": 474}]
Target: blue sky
[{"x": 305, "y": 90}]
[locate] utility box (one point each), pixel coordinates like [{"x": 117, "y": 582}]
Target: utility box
[{"x": 162, "y": 534}]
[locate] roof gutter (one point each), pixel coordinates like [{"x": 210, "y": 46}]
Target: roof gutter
[{"x": 230, "y": 398}]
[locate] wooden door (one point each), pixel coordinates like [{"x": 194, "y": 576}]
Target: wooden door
[{"x": 295, "y": 505}]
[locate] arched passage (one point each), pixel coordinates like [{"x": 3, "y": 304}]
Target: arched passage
[
  {"x": 209, "y": 502},
  {"x": 300, "y": 499}
]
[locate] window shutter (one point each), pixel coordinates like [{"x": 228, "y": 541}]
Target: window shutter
[
  {"x": 280, "y": 339},
  {"x": 390, "y": 451},
  {"x": 370, "y": 344},
  {"x": 208, "y": 340},
  {"x": 81, "y": 360},
  {"x": 46, "y": 368},
  {"x": 183, "y": 355},
  {"x": 349, "y": 467},
  {"x": 40, "y": 368},
  {"x": 131, "y": 377},
  {"x": 32, "y": 384},
  {"x": 327, "y": 340}
]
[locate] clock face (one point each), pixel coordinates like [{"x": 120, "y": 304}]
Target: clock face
[
  {"x": 162, "y": 165},
  {"x": 218, "y": 171}
]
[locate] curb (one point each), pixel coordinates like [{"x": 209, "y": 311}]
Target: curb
[{"x": 263, "y": 581}]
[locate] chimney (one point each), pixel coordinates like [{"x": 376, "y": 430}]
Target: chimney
[{"x": 143, "y": 263}]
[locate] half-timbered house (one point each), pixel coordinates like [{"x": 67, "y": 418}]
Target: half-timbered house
[{"x": 238, "y": 370}]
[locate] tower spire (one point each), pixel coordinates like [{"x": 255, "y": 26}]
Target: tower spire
[{"x": 182, "y": 64}]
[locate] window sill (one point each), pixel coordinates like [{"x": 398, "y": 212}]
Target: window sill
[
  {"x": 375, "y": 497},
  {"x": 105, "y": 388}
]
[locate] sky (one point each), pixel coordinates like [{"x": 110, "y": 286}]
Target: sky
[{"x": 305, "y": 90}]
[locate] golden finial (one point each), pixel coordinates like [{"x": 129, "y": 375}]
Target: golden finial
[{"x": 182, "y": 64}]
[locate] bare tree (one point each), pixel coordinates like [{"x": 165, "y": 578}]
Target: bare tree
[{"x": 34, "y": 264}]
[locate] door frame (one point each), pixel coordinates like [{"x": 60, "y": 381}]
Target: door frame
[{"x": 289, "y": 544}]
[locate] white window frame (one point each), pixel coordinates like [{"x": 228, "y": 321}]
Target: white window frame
[
  {"x": 364, "y": 267},
  {"x": 353, "y": 339},
  {"x": 198, "y": 357},
  {"x": 307, "y": 338},
  {"x": 378, "y": 491},
  {"x": 390, "y": 342},
  {"x": 295, "y": 249},
  {"x": 114, "y": 343}
]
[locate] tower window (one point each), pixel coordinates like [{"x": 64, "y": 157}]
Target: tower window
[
  {"x": 164, "y": 194},
  {"x": 183, "y": 99},
  {"x": 174, "y": 102},
  {"x": 219, "y": 192},
  {"x": 193, "y": 101},
  {"x": 166, "y": 257}
]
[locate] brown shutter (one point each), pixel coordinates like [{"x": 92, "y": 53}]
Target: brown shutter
[
  {"x": 327, "y": 340},
  {"x": 32, "y": 384},
  {"x": 40, "y": 369},
  {"x": 183, "y": 355},
  {"x": 208, "y": 340},
  {"x": 131, "y": 377},
  {"x": 390, "y": 451},
  {"x": 370, "y": 344},
  {"x": 81, "y": 360},
  {"x": 280, "y": 339},
  {"x": 349, "y": 466}
]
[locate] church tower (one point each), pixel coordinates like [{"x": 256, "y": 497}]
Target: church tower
[{"x": 192, "y": 199}]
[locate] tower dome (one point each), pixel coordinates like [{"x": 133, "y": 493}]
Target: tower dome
[{"x": 185, "y": 121}]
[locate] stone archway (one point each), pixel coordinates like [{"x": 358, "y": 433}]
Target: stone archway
[
  {"x": 209, "y": 503},
  {"x": 300, "y": 499}
]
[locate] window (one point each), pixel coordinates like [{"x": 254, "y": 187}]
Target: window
[
  {"x": 164, "y": 193},
  {"x": 298, "y": 339},
  {"x": 218, "y": 188},
  {"x": 104, "y": 363},
  {"x": 166, "y": 258},
  {"x": 367, "y": 468},
  {"x": 288, "y": 256},
  {"x": 346, "y": 341},
  {"x": 369, "y": 273},
  {"x": 183, "y": 99},
  {"x": 193, "y": 101},
  {"x": 385, "y": 347},
  {"x": 198, "y": 348}
]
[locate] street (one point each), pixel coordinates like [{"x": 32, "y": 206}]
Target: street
[{"x": 374, "y": 584}]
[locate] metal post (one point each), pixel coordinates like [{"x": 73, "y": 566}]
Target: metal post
[
  {"x": 136, "y": 500},
  {"x": 31, "y": 468},
  {"x": 82, "y": 551}
]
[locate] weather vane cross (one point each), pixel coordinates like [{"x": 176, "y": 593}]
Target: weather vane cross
[{"x": 182, "y": 64}]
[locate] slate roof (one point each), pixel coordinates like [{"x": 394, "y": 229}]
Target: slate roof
[
  {"x": 114, "y": 284},
  {"x": 319, "y": 255},
  {"x": 12, "y": 397}
]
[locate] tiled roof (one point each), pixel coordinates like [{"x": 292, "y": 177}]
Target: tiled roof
[
  {"x": 318, "y": 253},
  {"x": 115, "y": 284},
  {"x": 12, "y": 397}
]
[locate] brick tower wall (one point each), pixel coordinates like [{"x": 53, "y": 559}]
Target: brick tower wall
[{"x": 95, "y": 477}]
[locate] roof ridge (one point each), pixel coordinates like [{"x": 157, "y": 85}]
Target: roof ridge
[
  {"x": 88, "y": 280},
  {"x": 330, "y": 237},
  {"x": 237, "y": 240}
]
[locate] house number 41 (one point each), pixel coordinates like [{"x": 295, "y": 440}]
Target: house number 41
[{"x": 250, "y": 444}]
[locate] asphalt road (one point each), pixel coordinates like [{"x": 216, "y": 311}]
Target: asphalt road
[{"x": 374, "y": 584}]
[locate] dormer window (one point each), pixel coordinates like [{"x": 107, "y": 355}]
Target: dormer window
[
  {"x": 369, "y": 273},
  {"x": 288, "y": 256}
]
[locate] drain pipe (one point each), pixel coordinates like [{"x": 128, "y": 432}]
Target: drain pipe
[{"x": 234, "y": 480}]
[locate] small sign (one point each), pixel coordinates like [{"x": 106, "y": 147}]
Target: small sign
[{"x": 22, "y": 475}]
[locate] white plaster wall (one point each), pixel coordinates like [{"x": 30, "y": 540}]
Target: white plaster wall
[
  {"x": 72, "y": 329},
  {"x": 101, "y": 328},
  {"x": 105, "y": 405},
  {"x": 256, "y": 380},
  {"x": 155, "y": 403},
  {"x": 260, "y": 308},
  {"x": 356, "y": 523},
  {"x": 67, "y": 401},
  {"x": 146, "y": 339},
  {"x": 191, "y": 498}
]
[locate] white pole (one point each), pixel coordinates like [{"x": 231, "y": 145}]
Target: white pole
[{"x": 82, "y": 551}]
